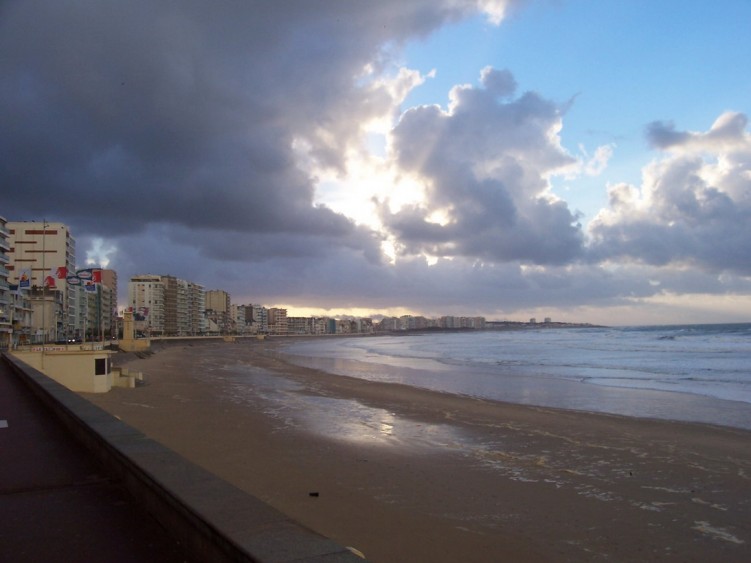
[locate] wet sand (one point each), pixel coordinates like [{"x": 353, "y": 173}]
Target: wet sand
[{"x": 414, "y": 475}]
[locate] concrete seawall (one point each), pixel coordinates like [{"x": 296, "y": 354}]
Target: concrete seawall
[{"x": 213, "y": 519}]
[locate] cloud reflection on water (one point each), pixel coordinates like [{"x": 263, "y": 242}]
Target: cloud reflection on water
[{"x": 295, "y": 405}]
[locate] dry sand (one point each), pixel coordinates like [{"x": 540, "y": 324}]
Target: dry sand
[{"x": 481, "y": 481}]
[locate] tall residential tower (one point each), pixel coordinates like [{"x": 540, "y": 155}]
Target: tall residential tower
[
  {"x": 6, "y": 305},
  {"x": 43, "y": 253}
]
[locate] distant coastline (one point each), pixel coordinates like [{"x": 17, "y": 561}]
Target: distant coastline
[{"x": 490, "y": 326}]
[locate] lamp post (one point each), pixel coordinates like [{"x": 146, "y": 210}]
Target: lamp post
[{"x": 44, "y": 292}]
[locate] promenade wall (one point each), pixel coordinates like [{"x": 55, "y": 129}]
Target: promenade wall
[{"x": 213, "y": 519}]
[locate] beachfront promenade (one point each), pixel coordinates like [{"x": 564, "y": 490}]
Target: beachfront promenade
[{"x": 78, "y": 484}]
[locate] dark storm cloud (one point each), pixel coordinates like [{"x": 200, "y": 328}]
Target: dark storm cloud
[
  {"x": 693, "y": 208},
  {"x": 128, "y": 114},
  {"x": 459, "y": 286},
  {"x": 232, "y": 248},
  {"x": 485, "y": 164}
]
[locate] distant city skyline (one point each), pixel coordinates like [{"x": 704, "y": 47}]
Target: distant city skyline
[{"x": 588, "y": 162}]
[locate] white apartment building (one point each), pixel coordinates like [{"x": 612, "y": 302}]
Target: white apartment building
[
  {"x": 6, "y": 303},
  {"x": 44, "y": 253},
  {"x": 196, "y": 308},
  {"x": 166, "y": 305},
  {"x": 182, "y": 318},
  {"x": 260, "y": 322},
  {"x": 190, "y": 304},
  {"x": 97, "y": 309},
  {"x": 242, "y": 317},
  {"x": 364, "y": 326},
  {"x": 146, "y": 298},
  {"x": 298, "y": 325},
  {"x": 390, "y": 324},
  {"x": 319, "y": 325}
]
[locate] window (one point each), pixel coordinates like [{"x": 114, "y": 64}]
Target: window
[
  {"x": 100, "y": 366},
  {"x": 40, "y": 232}
]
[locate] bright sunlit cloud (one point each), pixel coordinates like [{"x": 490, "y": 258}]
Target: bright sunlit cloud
[{"x": 100, "y": 253}]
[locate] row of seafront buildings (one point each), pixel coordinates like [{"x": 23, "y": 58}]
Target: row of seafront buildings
[
  {"x": 44, "y": 298},
  {"x": 167, "y": 306},
  {"x": 164, "y": 305}
]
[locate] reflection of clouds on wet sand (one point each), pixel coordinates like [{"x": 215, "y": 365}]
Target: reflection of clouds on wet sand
[
  {"x": 298, "y": 406},
  {"x": 344, "y": 419}
]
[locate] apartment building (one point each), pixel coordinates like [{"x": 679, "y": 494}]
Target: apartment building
[
  {"x": 99, "y": 323},
  {"x": 218, "y": 300},
  {"x": 389, "y": 324},
  {"x": 41, "y": 255},
  {"x": 146, "y": 299},
  {"x": 6, "y": 303},
  {"x": 109, "y": 312},
  {"x": 410, "y": 322},
  {"x": 364, "y": 326},
  {"x": 196, "y": 309},
  {"x": 242, "y": 318},
  {"x": 218, "y": 310},
  {"x": 176, "y": 319},
  {"x": 476, "y": 323},
  {"x": 97, "y": 309},
  {"x": 278, "y": 321},
  {"x": 318, "y": 325},
  {"x": 298, "y": 325},
  {"x": 307, "y": 325},
  {"x": 190, "y": 303},
  {"x": 166, "y": 305},
  {"x": 260, "y": 319}
]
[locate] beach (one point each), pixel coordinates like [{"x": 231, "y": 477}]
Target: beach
[{"x": 410, "y": 474}]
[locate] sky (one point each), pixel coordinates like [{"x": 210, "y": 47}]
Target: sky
[{"x": 584, "y": 161}]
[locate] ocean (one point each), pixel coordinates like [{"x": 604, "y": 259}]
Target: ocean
[{"x": 697, "y": 373}]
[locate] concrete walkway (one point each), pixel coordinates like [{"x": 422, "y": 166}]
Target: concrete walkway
[{"x": 57, "y": 502}]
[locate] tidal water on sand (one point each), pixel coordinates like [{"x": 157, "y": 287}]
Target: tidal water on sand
[
  {"x": 698, "y": 373},
  {"x": 293, "y": 405}
]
